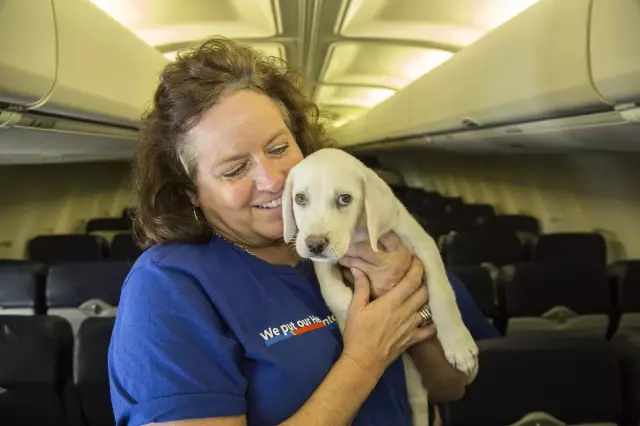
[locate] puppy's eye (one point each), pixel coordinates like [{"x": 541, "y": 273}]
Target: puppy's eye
[
  {"x": 344, "y": 199},
  {"x": 301, "y": 199}
]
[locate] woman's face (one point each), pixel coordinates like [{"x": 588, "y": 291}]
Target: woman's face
[{"x": 243, "y": 153}]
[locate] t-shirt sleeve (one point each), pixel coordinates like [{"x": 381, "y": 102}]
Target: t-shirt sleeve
[{"x": 171, "y": 356}]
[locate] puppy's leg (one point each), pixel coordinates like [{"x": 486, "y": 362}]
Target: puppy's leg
[
  {"x": 335, "y": 293},
  {"x": 459, "y": 346},
  {"x": 418, "y": 399}
]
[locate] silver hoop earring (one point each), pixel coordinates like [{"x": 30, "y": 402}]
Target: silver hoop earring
[{"x": 195, "y": 215}]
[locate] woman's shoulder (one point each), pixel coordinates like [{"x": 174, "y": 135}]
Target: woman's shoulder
[{"x": 168, "y": 267}]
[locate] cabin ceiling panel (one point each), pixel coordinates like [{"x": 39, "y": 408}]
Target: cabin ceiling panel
[
  {"x": 357, "y": 97},
  {"x": 453, "y": 22},
  {"x": 379, "y": 64},
  {"x": 353, "y": 54},
  {"x": 160, "y": 22}
]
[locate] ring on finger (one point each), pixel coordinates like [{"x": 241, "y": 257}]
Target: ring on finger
[{"x": 425, "y": 313}]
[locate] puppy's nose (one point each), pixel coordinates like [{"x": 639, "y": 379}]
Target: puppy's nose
[{"x": 316, "y": 244}]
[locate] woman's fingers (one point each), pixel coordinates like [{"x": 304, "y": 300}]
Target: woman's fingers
[
  {"x": 356, "y": 262},
  {"x": 421, "y": 334},
  {"x": 409, "y": 284},
  {"x": 361, "y": 290},
  {"x": 418, "y": 299},
  {"x": 390, "y": 241},
  {"x": 364, "y": 251}
]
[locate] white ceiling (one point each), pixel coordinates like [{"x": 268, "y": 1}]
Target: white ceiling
[{"x": 353, "y": 53}]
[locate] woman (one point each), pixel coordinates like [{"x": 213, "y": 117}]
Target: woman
[{"x": 219, "y": 322}]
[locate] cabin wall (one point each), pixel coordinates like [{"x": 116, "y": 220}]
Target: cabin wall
[
  {"x": 57, "y": 199},
  {"x": 577, "y": 192}
]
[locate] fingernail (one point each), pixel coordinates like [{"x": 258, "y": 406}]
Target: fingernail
[{"x": 355, "y": 271}]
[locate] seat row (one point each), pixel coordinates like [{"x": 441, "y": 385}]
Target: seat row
[
  {"x": 553, "y": 297},
  {"x": 52, "y": 249},
  {"x": 552, "y": 381},
  {"x": 49, "y": 377},
  {"x": 457, "y": 248},
  {"x": 474, "y": 233},
  {"x": 503, "y": 248},
  {"x": 75, "y": 291}
]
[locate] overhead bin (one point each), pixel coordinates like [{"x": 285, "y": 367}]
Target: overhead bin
[
  {"x": 533, "y": 67},
  {"x": 615, "y": 49},
  {"x": 74, "y": 82},
  {"x": 69, "y": 58},
  {"x": 105, "y": 72},
  {"x": 27, "y": 51}
]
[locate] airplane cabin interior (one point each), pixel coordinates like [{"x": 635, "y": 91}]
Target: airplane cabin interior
[{"x": 510, "y": 129}]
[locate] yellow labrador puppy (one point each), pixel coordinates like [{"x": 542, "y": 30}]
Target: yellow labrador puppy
[{"x": 332, "y": 200}]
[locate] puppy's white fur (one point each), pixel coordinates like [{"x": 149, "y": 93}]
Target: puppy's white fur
[{"x": 312, "y": 206}]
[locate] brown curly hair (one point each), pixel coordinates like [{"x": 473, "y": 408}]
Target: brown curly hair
[{"x": 163, "y": 168}]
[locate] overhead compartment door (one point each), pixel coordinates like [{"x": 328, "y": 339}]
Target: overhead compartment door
[
  {"x": 27, "y": 51},
  {"x": 615, "y": 49}
]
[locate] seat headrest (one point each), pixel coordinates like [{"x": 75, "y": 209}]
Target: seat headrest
[
  {"x": 531, "y": 289},
  {"x": 20, "y": 282},
  {"x": 92, "y": 345},
  {"x": 71, "y": 284}
]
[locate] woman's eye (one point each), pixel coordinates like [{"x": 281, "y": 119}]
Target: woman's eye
[
  {"x": 344, "y": 199},
  {"x": 300, "y": 199},
  {"x": 233, "y": 173},
  {"x": 279, "y": 150}
]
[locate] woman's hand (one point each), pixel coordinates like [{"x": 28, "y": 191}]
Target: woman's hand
[
  {"x": 385, "y": 268},
  {"x": 377, "y": 332}
]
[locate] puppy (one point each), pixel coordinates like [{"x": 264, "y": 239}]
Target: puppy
[{"x": 332, "y": 200}]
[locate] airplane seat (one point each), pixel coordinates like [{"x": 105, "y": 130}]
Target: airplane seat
[
  {"x": 627, "y": 346},
  {"x": 91, "y": 376},
  {"x": 80, "y": 290},
  {"x": 555, "y": 298},
  {"x": 451, "y": 203},
  {"x": 124, "y": 247},
  {"x": 434, "y": 209},
  {"x": 479, "y": 282},
  {"x": 51, "y": 249},
  {"x": 107, "y": 224},
  {"x": 513, "y": 223},
  {"x": 541, "y": 381},
  {"x": 477, "y": 247},
  {"x": 21, "y": 287},
  {"x": 469, "y": 217},
  {"x": 128, "y": 212},
  {"x": 626, "y": 293},
  {"x": 436, "y": 227},
  {"x": 35, "y": 370},
  {"x": 108, "y": 227},
  {"x": 581, "y": 247}
]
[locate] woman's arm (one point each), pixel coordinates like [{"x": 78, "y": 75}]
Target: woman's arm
[
  {"x": 443, "y": 382},
  {"x": 335, "y": 402}
]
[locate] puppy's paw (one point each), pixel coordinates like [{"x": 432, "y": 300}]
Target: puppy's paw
[{"x": 460, "y": 349}]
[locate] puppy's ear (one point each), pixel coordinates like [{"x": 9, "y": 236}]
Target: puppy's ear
[
  {"x": 380, "y": 206},
  {"x": 288, "y": 220}
]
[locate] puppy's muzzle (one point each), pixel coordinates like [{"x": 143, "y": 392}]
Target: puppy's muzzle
[{"x": 316, "y": 244}]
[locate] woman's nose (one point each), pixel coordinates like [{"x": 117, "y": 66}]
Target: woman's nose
[{"x": 269, "y": 177}]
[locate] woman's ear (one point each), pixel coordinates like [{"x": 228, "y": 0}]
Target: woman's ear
[{"x": 193, "y": 197}]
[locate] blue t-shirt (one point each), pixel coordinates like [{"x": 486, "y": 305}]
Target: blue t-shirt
[{"x": 208, "y": 330}]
